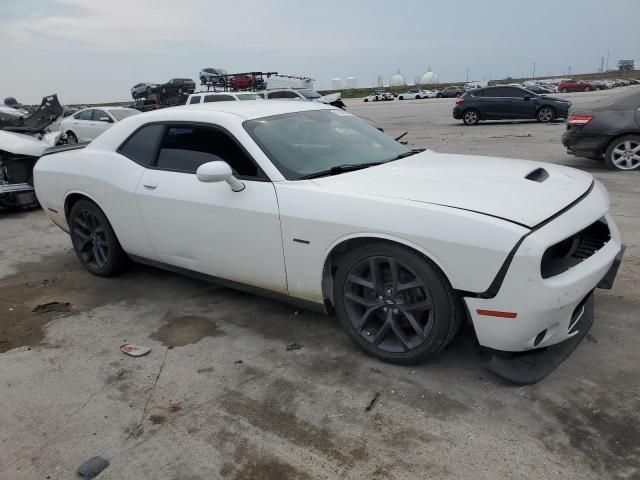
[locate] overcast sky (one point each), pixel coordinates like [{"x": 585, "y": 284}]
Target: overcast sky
[{"x": 95, "y": 50}]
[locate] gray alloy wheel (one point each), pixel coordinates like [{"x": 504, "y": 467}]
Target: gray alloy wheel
[
  {"x": 623, "y": 153},
  {"x": 94, "y": 241},
  {"x": 471, "y": 117},
  {"x": 545, "y": 115},
  {"x": 71, "y": 138},
  {"x": 394, "y": 303}
]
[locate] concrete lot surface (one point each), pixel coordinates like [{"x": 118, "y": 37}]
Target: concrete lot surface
[{"x": 220, "y": 396}]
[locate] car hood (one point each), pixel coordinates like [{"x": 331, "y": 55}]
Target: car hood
[{"x": 520, "y": 191}]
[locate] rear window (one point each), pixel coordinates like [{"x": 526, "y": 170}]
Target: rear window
[
  {"x": 248, "y": 96},
  {"x": 195, "y": 99},
  {"x": 122, "y": 113}
]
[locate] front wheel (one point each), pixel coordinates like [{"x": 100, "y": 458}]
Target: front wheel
[
  {"x": 587, "y": 89},
  {"x": 366, "y": 100},
  {"x": 471, "y": 117},
  {"x": 71, "y": 138},
  {"x": 94, "y": 241},
  {"x": 564, "y": 90},
  {"x": 394, "y": 303},
  {"x": 623, "y": 153},
  {"x": 545, "y": 115}
]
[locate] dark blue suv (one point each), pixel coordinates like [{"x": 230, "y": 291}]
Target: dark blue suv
[{"x": 508, "y": 103}]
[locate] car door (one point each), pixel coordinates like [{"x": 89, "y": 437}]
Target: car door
[
  {"x": 491, "y": 102},
  {"x": 79, "y": 124},
  {"x": 207, "y": 227},
  {"x": 102, "y": 120},
  {"x": 518, "y": 103}
]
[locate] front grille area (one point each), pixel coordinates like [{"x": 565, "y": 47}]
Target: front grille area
[{"x": 570, "y": 252}]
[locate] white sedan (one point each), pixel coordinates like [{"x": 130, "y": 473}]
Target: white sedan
[
  {"x": 87, "y": 124},
  {"x": 412, "y": 95},
  {"x": 313, "y": 205}
]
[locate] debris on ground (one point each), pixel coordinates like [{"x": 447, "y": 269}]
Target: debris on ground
[
  {"x": 52, "y": 307},
  {"x": 294, "y": 346},
  {"x": 591, "y": 338},
  {"x": 92, "y": 467},
  {"x": 204, "y": 370},
  {"x": 238, "y": 361},
  {"x": 373, "y": 402},
  {"x": 134, "y": 350}
]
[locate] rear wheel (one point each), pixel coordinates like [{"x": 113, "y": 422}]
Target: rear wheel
[
  {"x": 545, "y": 114},
  {"x": 564, "y": 90},
  {"x": 366, "y": 99},
  {"x": 94, "y": 240},
  {"x": 623, "y": 153},
  {"x": 394, "y": 303},
  {"x": 471, "y": 117},
  {"x": 587, "y": 89}
]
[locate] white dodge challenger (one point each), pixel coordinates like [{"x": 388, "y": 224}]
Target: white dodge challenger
[{"x": 312, "y": 205}]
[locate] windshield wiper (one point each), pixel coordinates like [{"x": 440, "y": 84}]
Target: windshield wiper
[
  {"x": 407, "y": 154},
  {"x": 347, "y": 167}
]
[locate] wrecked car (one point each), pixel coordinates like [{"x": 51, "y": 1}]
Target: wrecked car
[
  {"x": 310, "y": 204},
  {"x": 23, "y": 140}
]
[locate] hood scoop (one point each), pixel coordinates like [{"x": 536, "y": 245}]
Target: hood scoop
[{"x": 538, "y": 175}]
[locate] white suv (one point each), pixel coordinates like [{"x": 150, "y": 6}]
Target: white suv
[
  {"x": 207, "y": 97},
  {"x": 212, "y": 75}
]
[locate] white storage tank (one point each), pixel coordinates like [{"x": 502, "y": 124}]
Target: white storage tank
[
  {"x": 336, "y": 83},
  {"x": 351, "y": 82},
  {"x": 429, "y": 78},
  {"x": 397, "y": 80}
]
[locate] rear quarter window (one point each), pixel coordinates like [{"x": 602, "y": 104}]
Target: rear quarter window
[{"x": 141, "y": 147}]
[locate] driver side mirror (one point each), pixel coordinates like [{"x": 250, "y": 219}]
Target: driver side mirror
[
  {"x": 213, "y": 172},
  {"x": 105, "y": 119}
]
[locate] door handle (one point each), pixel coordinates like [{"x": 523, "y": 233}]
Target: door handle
[{"x": 151, "y": 184}]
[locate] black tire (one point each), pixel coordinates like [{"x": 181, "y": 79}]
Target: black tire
[
  {"x": 439, "y": 95},
  {"x": 94, "y": 241},
  {"x": 471, "y": 116},
  {"x": 384, "y": 329},
  {"x": 366, "y": 100},
  {"x": 400, "y": 97},
  {"x": 545, "y": 114},
  {"x": 163, "y": 90},
  {"x": 587, "y": 89},
  {"x": 619, "y": 154},
  {"x": 564, "y": 90},
  {"x": 71, "y": 138},
  {"x": 203, "y": 80}
]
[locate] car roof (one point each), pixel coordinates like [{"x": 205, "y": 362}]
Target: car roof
[{"x": 249, "y": 110}]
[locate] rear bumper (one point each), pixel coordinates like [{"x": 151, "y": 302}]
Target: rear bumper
[
  {"x": 457, "y": 112},
  {"x": 584, "y": 144}
]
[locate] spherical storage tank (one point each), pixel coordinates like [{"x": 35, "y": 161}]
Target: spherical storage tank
[
  {"x": 397, "y": 80},
  {"x": 429, "y": 77},
  {"x": 336, "y": 83},
  {"x": 351, "y": 82}
]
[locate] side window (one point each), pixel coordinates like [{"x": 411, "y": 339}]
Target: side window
[
  {"x": 494, "y": 92},
  {"x": 283, "y": 94},
  {"x": 184, "y": 148},
  {"x": 194, "y": 99},
  {"x": 141, "y": 146},
  {"x": 84, "y": 115},
  {"x": 513, "y": 92},
  {"x": 217, "y": 98},
  {"x": 98, "y": 114},
  {"x": 478, "y": 93}
]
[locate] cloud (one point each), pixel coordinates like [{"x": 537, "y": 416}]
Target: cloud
[{"x": 144, "y": 25}]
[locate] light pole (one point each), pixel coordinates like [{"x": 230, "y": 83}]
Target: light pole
[
  {"x": 467, "y": 74},
  {"x": 533, "y": 75}
]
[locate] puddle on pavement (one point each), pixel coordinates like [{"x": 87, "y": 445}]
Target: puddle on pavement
[{"x": 186, "y": 330}]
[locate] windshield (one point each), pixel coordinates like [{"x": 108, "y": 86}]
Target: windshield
[
  {"x": 310, "y": 94},
  {"x": 122, "y": 113},
  {"x": 248, "y": 96},
  {"x": 304, "y": 143}
]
